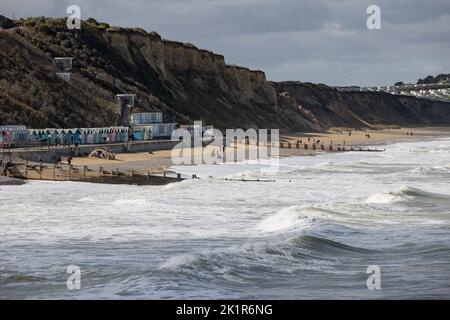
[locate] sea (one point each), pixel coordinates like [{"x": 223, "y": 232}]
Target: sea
[{"x": 354, "y": 225}]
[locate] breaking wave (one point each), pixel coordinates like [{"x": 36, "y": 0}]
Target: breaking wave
[
  {"x": 405, "y": 193},
  {"x": 286, "y": 218}
]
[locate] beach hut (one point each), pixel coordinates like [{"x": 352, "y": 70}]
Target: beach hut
[
  {"x": 116, "y": 134},
  {"x": 109, "y": 135},
  {"x": 76, "y": 136},
  {"x": 137, "y": 134},
  {"x": 155, "y": 130},
  {"x": 144, "y": 118},
  {"x": 112, "y": 135},
  {"x": 162, "y": 130},
  {"x": 90, "y": 136},
  {"x": 97, "y": 135},
  {"x": 148, "y": 133},
  {"x": 82, "y": 135},
  {"x": 142, "y": 133},
  {"x": 66, "y": 135},
  {"x": 51, "y": 136},
  {"x": 60, "y": 134},
  {"x": 14, "y": 135},
  {"x": 44, "y": 136},
  {"x": 122, "y": 134},
  {"x": 34, "y": 136},
  {"x": 105, "y": 135}
]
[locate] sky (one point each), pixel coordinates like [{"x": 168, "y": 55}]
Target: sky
[{"x": 320, "y": 41}]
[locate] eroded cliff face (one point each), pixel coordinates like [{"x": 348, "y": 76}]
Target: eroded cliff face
[{"x": 179, "y": 79}]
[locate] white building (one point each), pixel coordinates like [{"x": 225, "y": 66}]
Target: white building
[{"x": 153, "y": 120}]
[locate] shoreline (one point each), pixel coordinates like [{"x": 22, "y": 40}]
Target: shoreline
[{"x": 155, "y": 168}]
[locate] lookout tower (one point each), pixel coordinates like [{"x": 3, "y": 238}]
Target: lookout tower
[
  {"x": 126, "y": 101},
  {"x": 64, "y": 65}
]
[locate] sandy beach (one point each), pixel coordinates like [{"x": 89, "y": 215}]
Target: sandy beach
[{"x": 159, "y": 161}]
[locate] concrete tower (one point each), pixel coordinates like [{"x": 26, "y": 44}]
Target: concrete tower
[{"x": 126, "y": 101}]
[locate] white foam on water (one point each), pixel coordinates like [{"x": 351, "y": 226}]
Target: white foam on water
[
  {"x": 384, "y": 198},
  {"x": 286, "y": 218},
  {"x": 158, "y": 228}
]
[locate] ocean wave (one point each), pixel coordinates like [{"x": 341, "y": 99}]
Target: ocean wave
[
  {"x": 349, "y": 167},
  {"x": 405, "y": 193},
  {"x": 263, "y": 257},
  {"x": 322, "y": 245},
  {"x": 307, "y": 217},
  {"x": 436, "y": 170},
  {"x": 288, "y": 217}
]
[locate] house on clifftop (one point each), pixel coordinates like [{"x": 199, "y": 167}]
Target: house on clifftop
[{"x": 5, "y": 23}]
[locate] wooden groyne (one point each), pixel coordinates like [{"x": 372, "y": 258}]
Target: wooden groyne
[
  {"x": 31, "y": 171},
  {"x": 332, "y": 148}
]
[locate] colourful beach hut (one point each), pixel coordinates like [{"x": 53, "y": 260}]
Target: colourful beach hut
[
  {"x": 60, "y": 136},
  {"x": 112, "y": 135},
  {"x": 83, "y": 135},
  {"x": 122, "y": 134},
  {"x": 75, "y": 136},
  {"x": 34, "y": 136},
  {"x": 52, "y": 136},
  {"x": 66, "y": 135},
  {"x": 44, "y": 135},
  {"x": 90, "y": 136},
  {"x": 16, "y": 135}
]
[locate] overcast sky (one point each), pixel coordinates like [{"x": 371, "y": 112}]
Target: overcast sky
[{"x": 306, "y": 40}]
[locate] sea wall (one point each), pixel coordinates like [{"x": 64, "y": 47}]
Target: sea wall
[{"x": 51, "y": 155}]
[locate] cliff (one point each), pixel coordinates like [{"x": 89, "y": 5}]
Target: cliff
[{"x": 179, "y": 79}]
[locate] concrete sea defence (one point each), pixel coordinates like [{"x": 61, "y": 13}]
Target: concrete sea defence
[{"x": 51, "y": 154}]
